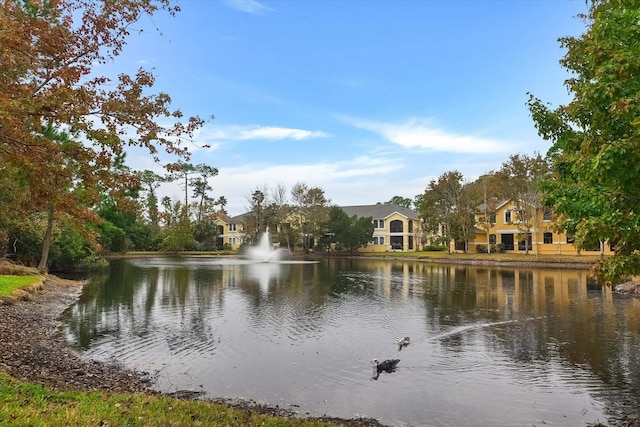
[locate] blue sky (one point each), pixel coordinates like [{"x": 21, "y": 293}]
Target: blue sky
[{"x": 365, "y": 99}]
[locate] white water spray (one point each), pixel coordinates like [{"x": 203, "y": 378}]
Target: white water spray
[{"x": 264, "y": 251}]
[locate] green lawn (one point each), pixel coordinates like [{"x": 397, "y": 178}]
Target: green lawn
[
  {"x": 25, "y": 404},
  {"x": 9, "y": 283}
]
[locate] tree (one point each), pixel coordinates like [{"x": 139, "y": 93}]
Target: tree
[
  {"x": 201, "y": 188},
  {"x": 280, "y": 209},
  {"x": 151, "y": 181},
  {"x": 222, "y": 202},
  {"x": 255, "y": 224},
  {"x": 596, "y": 137},
  {"x": 182, "y": 171},
  {"x": 461, "y": 220},
  {"x": 13, "y": 196},
  {"x": 67, "y": 198},
  {"x": 522, "y": 177},
  {"x": 313, "y": 208},
  {"x": 179, "y": 235},
  {"x": 348, "y": 232},
  {"x": 49, "y": 51},
  {"x": 122, "y": 227},
  {"x": 404, "y": 202},
  {"x": 491, "y": 193},
  {"x": 439, "y": 203}
]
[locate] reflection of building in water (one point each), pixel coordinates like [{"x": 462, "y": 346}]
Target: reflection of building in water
[
  {"x": 493, "y": 288},
  {"x": 533, "y": 289}
]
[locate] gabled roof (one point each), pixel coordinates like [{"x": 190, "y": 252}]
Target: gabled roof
[
  {"x": 221, "y": 216},
  {"x": 499, "y": 204},
  {"x": 238, "y": 219},
  {"x": 380, "y": 211}
]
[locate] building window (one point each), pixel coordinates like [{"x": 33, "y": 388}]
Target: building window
[
  {"x": 410, "y": 227},
  {"x": 396, "y": 242},
  {"x": 232, "y": 240},
  {"x": 507, "y": 217},
  {"x": 492, "y": 239},
  {"x": 571, "y": 238},
  {"x": 547, "y": 214},
  {"x": 396, "y": 226},
  {"x": 525, "y": 244},
  {"x": 378, "y": 240},
  {"x": 232, "y": 227},
  {"x": 492, "y": 218},
  {"x": 547, "y": 238},
  {"x": 378, "y": 223},
  {"x": 507, "y": 242}
]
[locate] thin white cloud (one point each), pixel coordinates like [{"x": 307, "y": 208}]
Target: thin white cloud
[
  {"x": 248, "y": 6},
  {"x": 275, "y": 133},
  {"x": 420, "y": 134},
  {"x": 360, "y": 180},
  {"x": 251, "y": 132}
]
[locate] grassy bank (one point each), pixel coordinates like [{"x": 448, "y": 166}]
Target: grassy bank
[
  {"x": 9, "y": 284},
  {"x": 25, "y": 404}
]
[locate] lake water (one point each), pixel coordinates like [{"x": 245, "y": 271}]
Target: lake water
[{"x": 489, "y": 346}]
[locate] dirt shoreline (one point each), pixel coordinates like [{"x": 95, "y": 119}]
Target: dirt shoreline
[{"x": 34, "y": 350}]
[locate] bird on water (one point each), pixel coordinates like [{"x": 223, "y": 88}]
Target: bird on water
[
  {"x": 404, "y": 342},
  {"x": 388, "y": 365}
]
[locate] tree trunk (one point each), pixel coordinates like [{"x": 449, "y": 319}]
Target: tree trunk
[{"x": 46, "y": 242}]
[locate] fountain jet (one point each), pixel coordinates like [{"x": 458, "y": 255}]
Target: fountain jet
[{"x": 263, "y": 251}]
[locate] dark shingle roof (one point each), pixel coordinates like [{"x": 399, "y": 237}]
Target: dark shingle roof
[{"x": 238, "y": 219}]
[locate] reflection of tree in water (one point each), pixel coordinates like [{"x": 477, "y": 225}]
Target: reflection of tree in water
[
  {"x": 106, "y": 305},
  {"x": 126, "y": 298},
  {"x": 196, "y": 294}
]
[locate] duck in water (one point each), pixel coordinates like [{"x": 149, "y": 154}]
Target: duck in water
[
  {"x": 403, "y": 342},
  {"x": 388, "y": 366}
]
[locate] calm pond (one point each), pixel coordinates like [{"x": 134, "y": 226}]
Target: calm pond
[{"x": 489, "y": 346}]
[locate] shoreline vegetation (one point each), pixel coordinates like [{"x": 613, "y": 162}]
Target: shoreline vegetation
[{"x": 43, "y": 382}]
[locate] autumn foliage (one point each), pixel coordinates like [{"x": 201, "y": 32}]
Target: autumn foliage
[{"x": 61, "y": 124}]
